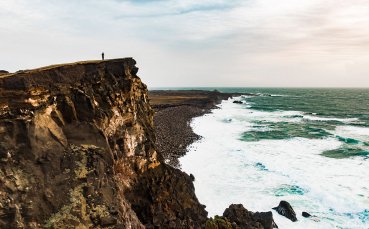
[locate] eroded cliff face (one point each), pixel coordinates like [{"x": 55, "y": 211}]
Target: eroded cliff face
[{"x": 77, "y": 151}]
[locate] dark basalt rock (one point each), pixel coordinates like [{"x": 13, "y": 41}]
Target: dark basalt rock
[
  {"x": 285, "y": 209},
  {"x": 306, "y": 215},
  {"x": 243, "y": 218},
  {"x": 165, "y": 197},
  {"x": 192, "y": 177},
  {"x": 238, "y": 102}
]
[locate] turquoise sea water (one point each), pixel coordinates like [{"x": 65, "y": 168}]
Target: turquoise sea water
[
  {"x": 307, "y": 146},
  {"x": 328, "y": 108}
]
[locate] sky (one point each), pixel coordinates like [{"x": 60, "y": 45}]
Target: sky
[{"x": 197, "y": 43}]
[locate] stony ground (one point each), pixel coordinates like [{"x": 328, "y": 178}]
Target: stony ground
[{"x": 174, "y": 111}]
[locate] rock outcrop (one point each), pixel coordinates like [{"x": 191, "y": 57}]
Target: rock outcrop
[
  {"x": 284, "y": 208},
  {"x": 172, "y": 202},
  {"x": 238, "y": 102},
  {"x": 306, "y": 214},
  {"x": 77, "y": 151},
  {"x": 236, "y": 216}
]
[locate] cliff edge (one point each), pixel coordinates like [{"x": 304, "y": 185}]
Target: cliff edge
[{"x": 77, "y": 151}]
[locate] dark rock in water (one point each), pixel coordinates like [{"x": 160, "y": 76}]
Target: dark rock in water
[
  {"x": 238, "y": 102},
  {"x": 266, "y": 219},
  {"x": 285, "y": 209},
  {"x": 312, "y": 217},
  {"x": 243, "y": 218}
]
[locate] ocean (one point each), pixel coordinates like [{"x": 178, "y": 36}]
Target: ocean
[{"x": 309, "y": 147}]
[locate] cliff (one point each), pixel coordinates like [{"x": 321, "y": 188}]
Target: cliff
[{"x": 77, "y": 151}]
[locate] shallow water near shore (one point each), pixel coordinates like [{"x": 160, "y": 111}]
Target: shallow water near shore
[{"x": 307, "y": 146}]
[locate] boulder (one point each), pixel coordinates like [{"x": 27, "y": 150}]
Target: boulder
[
  {"x": 285, "y": 209},
  {"x": 240, "y": 216},
  {"x": 306, "y": 215},
  {"x": 238, "y": 102}
]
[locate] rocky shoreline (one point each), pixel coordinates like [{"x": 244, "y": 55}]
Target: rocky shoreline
[{"x": 174, "y": 110}]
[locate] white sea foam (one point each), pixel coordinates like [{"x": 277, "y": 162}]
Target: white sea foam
[
  {"x": 227, "y": 172},
  {"x": 319, "y": 118},
  {"x": 277, "y": 95},
  {"x": 359, "y": 133}
]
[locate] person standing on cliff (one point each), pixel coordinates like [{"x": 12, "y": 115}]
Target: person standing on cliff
[{"x": 102, "y": 55}]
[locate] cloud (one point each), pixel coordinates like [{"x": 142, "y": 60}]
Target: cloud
[{"x": 197, "y": 42}]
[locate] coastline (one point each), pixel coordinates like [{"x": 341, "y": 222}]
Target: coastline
[
  {"x": 174, "y": 111},
  {"x": 88, "y": 156}
]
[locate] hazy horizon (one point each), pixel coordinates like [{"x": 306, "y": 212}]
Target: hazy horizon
[{"x": 188, "y": 43}]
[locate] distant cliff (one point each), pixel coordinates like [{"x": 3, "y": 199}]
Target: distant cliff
[{"x": 77, "y": 151}]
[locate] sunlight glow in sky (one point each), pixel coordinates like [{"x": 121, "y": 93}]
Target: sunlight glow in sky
[{"x": 278, "y": 43}]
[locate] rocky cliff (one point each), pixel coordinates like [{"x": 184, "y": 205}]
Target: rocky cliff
[{"x": 77, "y": 151}]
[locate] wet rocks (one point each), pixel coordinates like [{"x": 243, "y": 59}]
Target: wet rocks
[
  {"x": 312, "y": 217},
  {"x": 238, "y": 102},
  {"x": 241, "y": 216},
  {"x": 238, "y": 217},
  {"x": 285, "y": 209}
]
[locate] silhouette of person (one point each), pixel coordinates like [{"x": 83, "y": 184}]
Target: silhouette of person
[{"x": 102, "y": 55}]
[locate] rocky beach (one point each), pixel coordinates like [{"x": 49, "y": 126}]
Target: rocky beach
[{"x": 174, "y": 110}]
